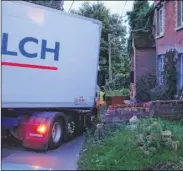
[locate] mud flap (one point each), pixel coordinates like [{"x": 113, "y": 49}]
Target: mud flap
[
  {"x": 32, "y": 139},
  {"x": 35, "y": 141}
]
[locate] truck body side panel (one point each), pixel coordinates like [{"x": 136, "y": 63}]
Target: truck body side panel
[{"x": 49, "y": 58}]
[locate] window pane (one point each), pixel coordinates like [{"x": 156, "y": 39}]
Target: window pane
[
  {"x": 157, "y": 28},
  {"x": 161, "y": 20},
  {"x": 181, "y": 79},
  {"x": 161, "y": 69},
  {"x": 179, "y": 4},
  {"x": 182, "y": 10}
]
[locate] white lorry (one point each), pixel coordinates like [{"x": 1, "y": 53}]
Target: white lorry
[{"x": 49, "y": 73}]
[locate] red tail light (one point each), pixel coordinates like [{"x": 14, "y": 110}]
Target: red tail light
[{"x": 41, "y": 129}]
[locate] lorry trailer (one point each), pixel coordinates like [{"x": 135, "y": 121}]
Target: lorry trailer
[{"x": 49, "y": 73}]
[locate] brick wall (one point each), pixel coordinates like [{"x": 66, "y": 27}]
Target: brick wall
[
  {"x": 145, "y": 61},
  {"x": 171, "y": 38}
]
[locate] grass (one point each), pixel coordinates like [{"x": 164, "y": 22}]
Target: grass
[{"x": 118, "y": 149}]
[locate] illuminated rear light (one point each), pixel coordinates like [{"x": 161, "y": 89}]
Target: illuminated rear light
[{"x": 41, "y": 129}]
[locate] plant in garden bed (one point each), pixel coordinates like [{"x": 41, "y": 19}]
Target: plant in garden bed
[
  {"x": 144, "y": 85},
  {"x": 119, "y": 147},
  {"x": 119, "y": 84},
  {"x": 121, "y": 92},
  {"x": 124, "y": 107},
  {"x": 154, "y": 135},
  {"x": 140, "y": 105},
  {"x": 179, "y": 95}
]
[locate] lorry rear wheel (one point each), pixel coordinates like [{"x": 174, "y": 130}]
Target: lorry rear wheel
[
  {"x": 14, "y": 133},
  {"x": 56, "y": 133}
]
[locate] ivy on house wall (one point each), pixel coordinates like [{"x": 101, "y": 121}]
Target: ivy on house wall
[
  {"x": 168, "y": 90},
  {"x": 170, "y": 72},
  {"x": 137, "y": 19}
]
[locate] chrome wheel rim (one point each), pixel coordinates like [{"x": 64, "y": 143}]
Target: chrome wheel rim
[{"x": 56, "y": 132}]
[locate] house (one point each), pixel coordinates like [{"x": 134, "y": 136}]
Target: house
[
  {"x": 143, "y": 59},
  {"x": 167, "y": 30}
]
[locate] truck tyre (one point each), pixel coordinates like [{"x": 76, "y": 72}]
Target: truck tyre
[
  {"x": 14, "y": 133},
  {"x": 56, "y": 133}
]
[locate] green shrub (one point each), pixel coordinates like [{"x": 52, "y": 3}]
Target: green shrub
[
  {"x": 155, "y": 135},
  {"x": 144, "y": 85},
  {"x": 122, "y": 92},
  {"x": 120, "y": 81},
  {"x": 168, "y": 90}
]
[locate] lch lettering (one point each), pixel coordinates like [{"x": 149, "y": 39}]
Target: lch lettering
[{"x": 44, "y": 49}]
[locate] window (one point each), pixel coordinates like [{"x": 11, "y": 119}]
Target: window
[
  {"x": 161, "y": 69},
  {"x": 160, "y": 22},
  {"x": 179, "y": 13},
  {"x": 181, "y": 71}
]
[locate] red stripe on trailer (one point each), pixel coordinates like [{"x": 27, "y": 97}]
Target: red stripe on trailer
[{"x": 29, "y": 66}]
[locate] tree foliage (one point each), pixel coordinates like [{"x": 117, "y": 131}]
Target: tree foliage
[
  {"x": 137, "y": 18},
  {"x": 48, "y": 3},
  {"x": 110, "y": 24}
]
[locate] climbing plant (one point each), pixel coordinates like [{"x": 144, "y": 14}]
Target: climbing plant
[
  {"x": 170, "y": 73},
  {"x": 168, "y": 90},
  {"x": 137, "y": 19}
]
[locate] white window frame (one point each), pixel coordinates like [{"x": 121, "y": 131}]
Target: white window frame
[
  {"x": 181, "y": 71},
  {"x": 161, "y": 63},
  {"x": 181, "y": 13},
  {"x": 160, "y": 21}
]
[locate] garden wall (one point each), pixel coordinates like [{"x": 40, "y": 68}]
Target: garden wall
[{"x": 167, "y": 108}]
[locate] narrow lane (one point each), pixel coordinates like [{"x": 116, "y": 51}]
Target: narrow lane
[{"x": 63, "y": 158}]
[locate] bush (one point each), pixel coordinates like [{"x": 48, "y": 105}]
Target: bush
[
  {"x": 155, "y": 135},
  {"x": 118, "y": 83},
  {"x": 122, "y": 92},
  {"x": 179, "y": 95},
  {"x": 159, "y": 93},
  {"x": 144, "y": 85}
]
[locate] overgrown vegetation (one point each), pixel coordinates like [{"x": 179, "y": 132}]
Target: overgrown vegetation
[
  {"x": 148, "y": 88},
  {"x": 154, "y": 135},
  {"x": 120, "y": 81},
  {"x": 48, "y": 3},
  {"x": 119, "y": 86},
  {"x": 144, "y": 85},
  {"x": 168, "y": 89},
  {"x": 111, "y": 24},
  {"x": 154, "y": 144},
  {"x": 137, "y": 19},
  {"x": 179, "y": 95},
  {"x": 122, "y": 92}
]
